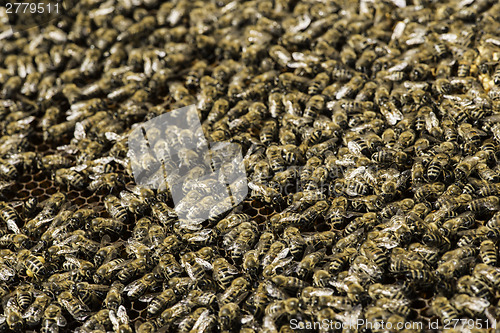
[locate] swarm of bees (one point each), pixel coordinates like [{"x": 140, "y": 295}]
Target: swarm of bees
[{"x": 370, "y": 132}]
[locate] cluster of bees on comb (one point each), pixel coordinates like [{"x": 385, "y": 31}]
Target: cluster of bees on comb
[{"x": 370, "y": 135}]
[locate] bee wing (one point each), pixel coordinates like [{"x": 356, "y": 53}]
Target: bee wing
[
  {"x": 95, "y": 206},
  {"x": 431, "y": 121},
  {"x": 6, "y": 273},
  {"x": 481, "y": 132},
  {"x": 111, "y": 136},
  {"x": 33, "y": 312},
  {"x": 126, "y": 196},
  {"x": 322, "y": 292},
  {"x": 26, "y": 120},
  {"x": 254, "y": 187},
  {"x": 79, "y": 131},
  {"x": 238, "y": 299},
  {"x": 61, "y": 321},
  {"x": 291, "y": 267},
  {"x": 148, "y": 297},
  {"x": 122, "y": 315},
  {"x": 69, "y": 149},
  {"x": 477, "y": 304},
  {"x": 134, "y": 246},
  {"x": 283, "y": 254},
  {"x": 114, "y": 320},
  {"x": 79, "y": 167},
  {"x": 398, "y": 67},
  {"x": 72, "y": 259},
  {"x": 16, "y": 203},
  {"x": 136, "y": 189},
  {"x": 2, "y": 319},
  {"x": 189, "y": 270},
  {"x": 205, "y": 264},
  {"x": 82, "y": 311},
  {"x": 201, "y": 235},
  {"x": 350, "y": 317},
  {"x": 274, "y": 291},
  {"x": 95, "y": 178},
  {"x": 106, "y": 239},
  {"x": 68, "y": 240},
  {"x": 37, "y": 247},
  {"x": 202, "y": 321},
  {"x": 15, "y": 159},
  {"x": 67, "y": 206},
  {"x": 6, "y": 185},
  {"x": 403, "y": 178},
  {"x": 309, "y": 249},
  {"x": 99, "y": 287},
  {"x": 131, "y": 286}
]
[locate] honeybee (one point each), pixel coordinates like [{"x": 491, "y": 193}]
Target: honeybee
[
  {"x": 139, "y": 287},
  {"x": 242, "y": 244},
  {"x": 473, "y": 287},
  {"x": 469, "y": 305},
  {"x": 389, "y": 291},
  {"x": 35, "y": 310},
  {"x": 453, "y": 267},
  {"x": 114, "y": 208},
  {"x": 279, "y": 308},
  {"x": 224, "y": 273},
  {"x": 429, "y": 254},
  {"x": 397, "y": 306},
  {"x": 131, "y": 202},
  {"x": 160, "y": 301},
  {"x": 421, "y": 276},
  {"x": 69, "y": 177},
  {"x": 490, "y": 275},
  {"x": 267, "y": 193},
  {"x": 108, "y": 269},
  {"x": 83, "y": 267},
  {"x": 98, "y": 320},
  {"x": 13, "y": 314},
  {"x": 463, "y": 221},
  {"x": 189, "y": 321},
  {"x": 318, "y": 84},
  {"x": 105, "y": 181},
  {"x": 52, "y": 319},
  {"x": 103, "y": 225},
  {"x": 76, "y": 308},
  {"x": 491, "y": 203},
  {"x": 34, "y": 265},
  {"x": 113, "y": 297},
  {"x": 228, "y": 314},
  {"x": 236, "y": 291},
  {"x": 163, "y": 213},
  {"x": 202, "y": 237},
  {"x": 120, "y": 320},
  {"x": 307, "y": 264},
  {"x": 442, "y": 308},
  {"x": 288, "y": 282},
  {"x": 9, "y": 217}
]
